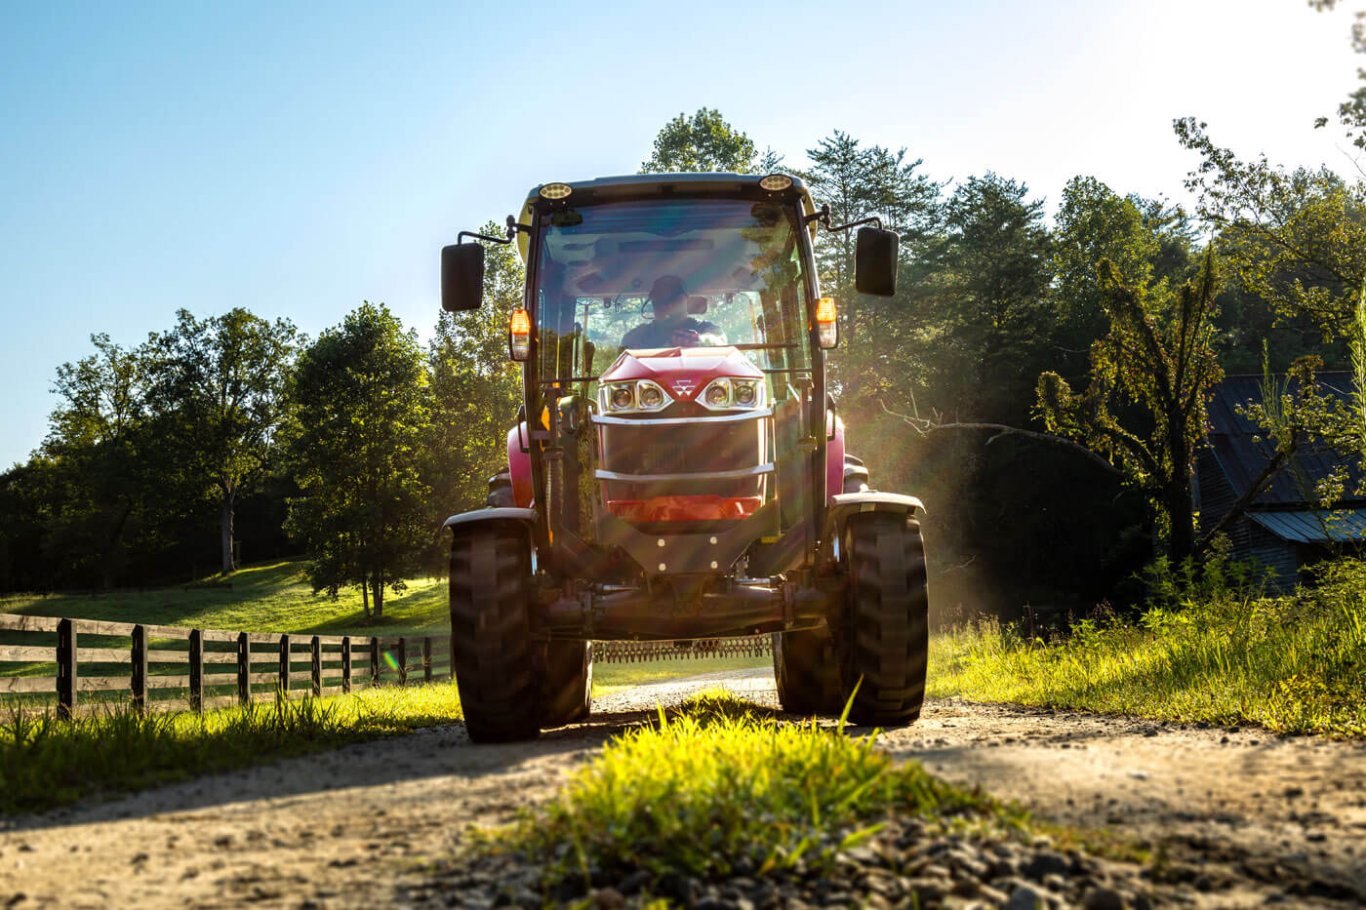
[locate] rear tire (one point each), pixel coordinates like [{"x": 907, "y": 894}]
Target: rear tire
[
  {"x": 805, "y": 671},
  {"x": 882, "y": 640},
  {"x": 568, "y": 687},
  {"x": 497, "y": 667}
]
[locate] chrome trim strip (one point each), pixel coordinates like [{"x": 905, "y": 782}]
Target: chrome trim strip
[
  {"x": 675, "y": 421},
  {"x": 739, "y": 474}
]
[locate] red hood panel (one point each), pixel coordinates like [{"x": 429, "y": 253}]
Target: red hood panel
[{"x": 683, "y": 372}]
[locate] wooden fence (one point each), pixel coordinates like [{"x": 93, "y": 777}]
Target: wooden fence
[{"x": 84, "y": 662}]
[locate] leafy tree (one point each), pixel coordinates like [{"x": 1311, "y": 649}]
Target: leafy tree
[
  {"x": 100, "y": 455},
  {"x": 1295, "y": 238},
  {"x": 1157, "y": 357},
  {"x": 881, "y": 340},
  {"x": 993, "y": 277},
  {"x": 360, "y": 417},
  {"x": 1143, "y": 239},
  {"x": 700, "y": 143},
  {"x": 217, "y": 388},
  {"x": 475, "y": 387}
]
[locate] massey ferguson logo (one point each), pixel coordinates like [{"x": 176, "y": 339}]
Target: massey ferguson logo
[{"x": 684, "y": 387}]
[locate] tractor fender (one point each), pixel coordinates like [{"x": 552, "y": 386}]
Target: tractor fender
[
  {"x": 519, "y": 465},
  {"x": 844, "y": 505},
  {"x": 834, "y": 457},
  {"x": 466, "y": 519}
]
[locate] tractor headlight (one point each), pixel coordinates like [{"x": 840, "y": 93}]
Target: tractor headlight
[
  {"x": 725, "y": 394},
  {"x": 627, "y": 397}
]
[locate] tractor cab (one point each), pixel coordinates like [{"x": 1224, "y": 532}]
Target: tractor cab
[{"x": 678, "y": 470}]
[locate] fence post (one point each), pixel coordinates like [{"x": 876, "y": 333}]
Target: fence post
[
  {"x": 284, "y": 667},
  {"x": 66, "y": 669},
  {"x": 402, "y": 661},
  {"x": 139, "y": 669},
  {"x": 426, "y": 658},
  {"x": 317, "y": 667},
  {"x": 243, "y": 668},
  {"x": 346, "y": 663},
  {"x": 197, "y": 671},
  {"x": 374, "y": 661}
]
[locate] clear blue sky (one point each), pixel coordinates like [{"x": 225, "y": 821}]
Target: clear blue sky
[{"x": 298, "y": 158}]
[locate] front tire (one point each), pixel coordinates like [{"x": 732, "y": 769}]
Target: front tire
[
  {"x": 496, "y": 665},
  {"x": 805, "y": 671},
  {"x": 568, "y": 687},
  {"x": 882, "y": 640}
]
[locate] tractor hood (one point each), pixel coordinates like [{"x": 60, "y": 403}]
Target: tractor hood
[{"x": 682, "y": 371}]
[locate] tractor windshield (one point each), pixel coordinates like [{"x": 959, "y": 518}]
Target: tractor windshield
[{"x": 670, "y": 273}]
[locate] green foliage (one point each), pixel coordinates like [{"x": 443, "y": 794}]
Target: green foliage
[
  {"x": 95, "y": 463},
  {"x": 1157, "y": 356},
  {"x": 361, "y": 416},
  {"x": 702, "y": 142},
  {"x": 723, "y": 786},
  {"x": 1295, "y": 238},
  {"x": 1210, "y": 649},
  {"x": 993, "y": 274},
  {"x": 45, "y": 762},
  {"x": 216, "y": 394}
]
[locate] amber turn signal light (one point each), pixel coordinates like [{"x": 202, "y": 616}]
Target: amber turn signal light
[
  {"x": 519, "y": 335},
  {"x": 827, "y": 322}
]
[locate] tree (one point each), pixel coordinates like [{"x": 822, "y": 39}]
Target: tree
[
  {"x": 700, "y": 143},
  {"x": 1158, "y": 358},
  {"x": 100, "y": 456},
  {"x": 1295, "y": 238},
  {"x": 360, "y": 417},
  {"x": 1142, "y": 238},
  {"x": 993, "y": 280},
  {"x": 880, "y": 338},
  {"x": 475, "y": 387},
  {"x": 217, "y": 389}
]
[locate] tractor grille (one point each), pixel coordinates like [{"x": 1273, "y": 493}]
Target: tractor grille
[{"x": 683, "y": 449}]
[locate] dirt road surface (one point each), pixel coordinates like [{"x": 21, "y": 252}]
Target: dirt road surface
[{"x": 1245, "y": 818}]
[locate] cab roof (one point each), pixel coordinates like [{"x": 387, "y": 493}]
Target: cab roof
[{"x": 637, "y": 185}]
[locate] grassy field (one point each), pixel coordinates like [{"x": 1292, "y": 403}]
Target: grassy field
[
  {"x": 275, "y": 597},
  {"x": 1292, "y": 664}
]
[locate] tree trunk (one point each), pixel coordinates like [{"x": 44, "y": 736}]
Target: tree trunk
[
  {"x": 1176, "y": 502},
  {"x": 379, "y": 595},
  {"x": 226, "y": 515},
  {"x": 365, "y": 595}
]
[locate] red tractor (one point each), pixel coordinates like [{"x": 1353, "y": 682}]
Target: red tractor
[{"x": 678, "y": 471}]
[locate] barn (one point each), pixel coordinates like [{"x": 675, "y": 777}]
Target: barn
[{"x": 1285, "y": 528}]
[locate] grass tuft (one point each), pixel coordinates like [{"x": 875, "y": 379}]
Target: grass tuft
[
  {"x": 722, "y": 786},
  {"x": 46, "y": 762}
]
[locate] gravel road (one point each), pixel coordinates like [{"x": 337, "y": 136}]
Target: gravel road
[{"x": 1243, "y": 818}]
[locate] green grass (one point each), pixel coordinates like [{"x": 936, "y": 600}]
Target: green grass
[
  {"x": 722, "y": 787},
  {"x": 1291, "y": 664},
  {"x": 262, "y": 598},
  {"x": 45, "y": 762}
]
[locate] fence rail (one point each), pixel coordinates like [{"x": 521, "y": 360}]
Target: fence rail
[{"x": 82, "y": 663}]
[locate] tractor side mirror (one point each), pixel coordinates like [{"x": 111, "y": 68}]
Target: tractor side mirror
[
  {"x": 875, "y": 261},
  {"x": 462, "y": 277}
]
